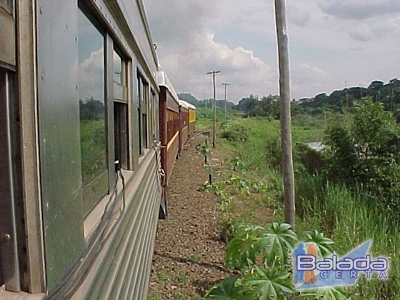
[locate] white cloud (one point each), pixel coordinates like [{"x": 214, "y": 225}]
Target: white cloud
[
  {"x": 91, "y": 76},
  {"x": 359, "y": 9},
  {"x": 307, "y": 79},
  {"x": 298, "y": 15},
  {"x": 353, "y": 40},
  {"x": 245, "y": 72},
  {"x": 361, "y": 32}
]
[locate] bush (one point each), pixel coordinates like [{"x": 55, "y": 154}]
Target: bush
[
  {"x": 234, "y": 132},
  {"x": 366, "y": 155}
]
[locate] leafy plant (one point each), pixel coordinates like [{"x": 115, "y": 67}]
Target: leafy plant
[
  {"x": 263, "y": 257},
  {"x": 204, "y": 149}
]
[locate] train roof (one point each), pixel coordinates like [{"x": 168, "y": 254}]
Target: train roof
[
  {"x": 162, "y": 80},
  {"x": 191, "y": 106},
  {"x": 183, "y": 103},
  {"x": 186, "y": 104}
]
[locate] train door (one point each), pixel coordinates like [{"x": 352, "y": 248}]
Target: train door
[{"x": 9, "y": 270}]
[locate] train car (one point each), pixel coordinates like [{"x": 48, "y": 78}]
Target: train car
[
  {"x": 169, "y": 125},
  {"x": 80, "y": 181},
  {"x": 184, "y": 124},
  {"x": 192, "y": 118}
]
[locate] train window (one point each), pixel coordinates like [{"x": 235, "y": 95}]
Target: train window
[
  {"x": 120, "y": 78},
  {"x": 143, "y": 97},
  {"x": 144, "y": 108},
  {"x": 7, "y": 5},
  {"x": 152, "y": 112},
  {"x": 120, "y": 109},
  {"x": 92, "y": 112}
]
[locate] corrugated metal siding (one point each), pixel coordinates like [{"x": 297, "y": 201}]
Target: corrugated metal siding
[{"x": 125, "y": 271}]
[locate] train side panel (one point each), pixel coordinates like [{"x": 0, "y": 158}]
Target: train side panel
[
  {"x": 122, "y": 269},
  {"x": 169, "y": 125},
  {"x": 87, "y": 176},
  {"x": 192, "y": 118},
  {"x": 184, "y": 124}
]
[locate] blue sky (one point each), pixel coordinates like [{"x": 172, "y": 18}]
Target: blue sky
[{"x": 332, "y": 43}]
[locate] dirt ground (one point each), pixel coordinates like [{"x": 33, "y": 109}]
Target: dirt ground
[{"x": 188, "y": 257}]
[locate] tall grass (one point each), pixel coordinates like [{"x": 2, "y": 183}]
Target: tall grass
[
  {"x": 350, "y": 220},
  {"x": 346, "y": 216}
]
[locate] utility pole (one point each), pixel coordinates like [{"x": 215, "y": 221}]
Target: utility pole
[
  {"x": 214, "y": 137},
  {"x": 347, "y": 96},
  {"x": 225, "y": 84},
  {"x": 285, "y": 118}
]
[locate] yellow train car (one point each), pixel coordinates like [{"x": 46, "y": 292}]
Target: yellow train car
[{"x": 192, "y": 118}]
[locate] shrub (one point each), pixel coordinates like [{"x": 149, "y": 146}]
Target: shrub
[
  {"x": 367, "y": 155},
  {"x": 234, "y": 132}
]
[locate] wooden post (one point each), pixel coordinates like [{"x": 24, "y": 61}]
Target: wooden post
[{"x": 285, "y": 116}]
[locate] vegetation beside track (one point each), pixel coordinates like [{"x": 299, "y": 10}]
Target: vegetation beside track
[{"x": 348, "y": 214}]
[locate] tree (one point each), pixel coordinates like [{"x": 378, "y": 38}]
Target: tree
[
  {"x": 246, "y": 104},
  {"x": 366, "y": 155}
]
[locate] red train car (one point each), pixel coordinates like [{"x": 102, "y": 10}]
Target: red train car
[{"x": 169, "y": 125}]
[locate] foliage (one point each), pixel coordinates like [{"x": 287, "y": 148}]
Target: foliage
[
  {"x": 344, "y": 100},
  {"x": 350, "y": 220},
  {"x": 203, "y": 149},
  {"x": 273, "y": 152},
  {"x": 263, "y": 256},
  {"x": 232, "y": 131},
  {"x": 367, "y": 154},
  {"x": 93, "y": 149},
  {"x": 348, "y": 215},
  {"x": 91, "y": 109},
  {"x": 237, "y": 164}
]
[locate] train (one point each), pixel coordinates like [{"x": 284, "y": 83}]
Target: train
[
  {"x": 177, "y": 123},
  {"x": 91, "y": 129}
]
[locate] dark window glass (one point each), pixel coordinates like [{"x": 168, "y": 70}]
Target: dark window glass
[
  {"x": 92, "y": 112},
  {"x": 120, "y": 110}
]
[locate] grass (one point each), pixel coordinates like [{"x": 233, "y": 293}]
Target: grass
[
  {"x": 93, "y": 149},
  {"x": 343, "y": 215},
  {"x": 350, "y": 221}
]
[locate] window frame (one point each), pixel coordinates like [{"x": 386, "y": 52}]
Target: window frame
[{"x": 121, "y": 109}]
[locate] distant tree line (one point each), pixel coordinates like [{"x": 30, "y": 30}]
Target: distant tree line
[
  {"x": 343, "y": 100},
  {"x": 91, "y": 109},
  {"x": 338, "y": 101},
  {"x": 206, "y": 103}
]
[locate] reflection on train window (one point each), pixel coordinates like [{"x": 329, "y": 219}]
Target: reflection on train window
[
  {"x": 143, "y": 97},
  {"x": 120, "y": 79},
  {"x": 120, "y": 109},
  {"x": 152, "y": 110},
  {"x": 92, "y": 112},
  {"x": 7, "y": 5}
]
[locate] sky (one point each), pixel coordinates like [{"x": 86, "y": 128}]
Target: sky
[{"x": 333, "y": 44}]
